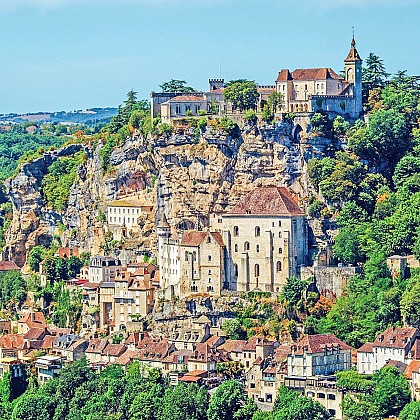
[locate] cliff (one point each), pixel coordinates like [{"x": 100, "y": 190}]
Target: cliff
[{"x": 185, "y": 177}]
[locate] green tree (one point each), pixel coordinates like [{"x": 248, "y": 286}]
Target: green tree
[
  {"x": 374, "y": 75},
  {"x": 410, "y": 307},
  {"x": 290, "y": 405},
  {"x": 36, "y": 255},
  {"x": 242, "y": 94},
  {"x": 175, "y": 85},
  {"x": 233, "y": 329},
  {"x": 227, "y": 401},
  {"x": 411, "y": 411},
  {"x": 275, "y": 102},
  {"x": 33, "y": 406},
  {"x": 359, "y": 408},
  {"x": 392, "y": 391}
]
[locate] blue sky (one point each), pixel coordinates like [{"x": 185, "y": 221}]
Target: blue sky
[{"x": 75, "y": 54}]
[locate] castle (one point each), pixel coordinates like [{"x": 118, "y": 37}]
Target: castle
[{"x": 304, "y": 91}]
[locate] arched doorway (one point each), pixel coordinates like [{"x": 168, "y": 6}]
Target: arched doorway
[{"x": 296, "y": 133}]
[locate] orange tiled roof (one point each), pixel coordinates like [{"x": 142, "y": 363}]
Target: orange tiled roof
[
  {"x": 34, "y": 320},
  {"x": 274, "y": 201},
  {"x": 315, "y": 74},
  {"x": 187, "y": 98},
  {"x": 366, "y": 348},
  {"x": 284, "y": 75},
  {"x": 8, "y": 265},
  {"x": 11, "y": 341},
  {"x": 414, "y": 366}
]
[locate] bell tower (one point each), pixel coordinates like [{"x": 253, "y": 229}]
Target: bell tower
[{"x": 353, "y": 72}]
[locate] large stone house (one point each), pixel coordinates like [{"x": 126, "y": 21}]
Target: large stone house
[
  {"x": 319, "y": 354},
  {"x": 190, "y": 261},
  {"x": 266, "y": 238},
  {"x": 397, "y": 344}
]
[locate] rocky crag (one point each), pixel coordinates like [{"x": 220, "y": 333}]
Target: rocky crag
[{"x": 186, "y": 177}]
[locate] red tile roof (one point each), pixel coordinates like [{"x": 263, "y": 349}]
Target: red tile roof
[
  {"x": 8, "y": 265},
  {"x": 48, "y": 341},
  {"x": 114, "y": 350},
  {"x": 318, "y": 342},
  {"x": 273, "y": 201},
  {"x": 126, "y": 357},
  {"x": 193, "y": 237},
  {"x": 284, "y": 75},
  {"x": 11, "y": 341},
  {"x": 187, "y": 98},
  {"x": 396, "y": 337},
  {"x": 68, "y": 252},
  {"x": 34, "y": 320},
  {"x": 96, "y": 345},
  {"x": 415, "y": 349},
  {"x": 218, "y": 238},
  {"x": 366, "y": 348},
  {"x": 34, "y": 334},
  {"x": 315, "y": 74},
  {"x": 414, "y": 366},
  {"x": 235, "y": 346}
]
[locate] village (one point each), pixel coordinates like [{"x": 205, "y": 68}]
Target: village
[{"x": 166, "y": 305}]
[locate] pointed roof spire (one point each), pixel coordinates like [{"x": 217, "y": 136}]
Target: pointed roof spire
[
  {"x": 353, "y": 54},
  {"x": 163, "y": 223}
]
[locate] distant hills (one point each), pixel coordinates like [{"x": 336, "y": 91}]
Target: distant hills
[{"x": 88, "y": 117}]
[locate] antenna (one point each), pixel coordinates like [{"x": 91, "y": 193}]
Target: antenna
[
  {"x": 353, "y": 30},
  {"x": 220, "y": 70}
]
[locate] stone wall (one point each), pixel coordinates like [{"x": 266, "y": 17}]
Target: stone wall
[{"x": 330, "y": 281}]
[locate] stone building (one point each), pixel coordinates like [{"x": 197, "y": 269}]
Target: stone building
[
  {"x": 103, "y": 269},
  {"x": 134, "y": 295},
  {"x": 266, "y": 238},
  {"x": 202, "y": 263},
  {"x": 319, "y": 354},
  {"x": 397, "y": 344},
  {"x": 321, "y": 89},
  {"x": 190, "y": 261},
  {"x": 126, "y": 212}
]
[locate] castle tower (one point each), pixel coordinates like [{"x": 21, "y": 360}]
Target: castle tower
[
  {"x": 215, "y": 84},
  {"x": 353, "y": 72}
]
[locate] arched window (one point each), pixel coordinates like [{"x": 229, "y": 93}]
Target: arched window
[
  {"x": 194, "y": 256},
  {"x": 235, "y": 270},
  {"x": 280, "y": 250},
  {"x": 246, "y": 246},
  {"x": 236, "y": 247},
  {"x": 208, "y": 239},
  {"x": 209, "y": 258},
  {"x": 257, "y": 270},
  {"x": 257, "y": 248},
  {"x": 235, "y": 231},
  {"x": 186, "y": 255},
  {"x": 257, "y": 231},
  {"x": 278, "y": 266}
]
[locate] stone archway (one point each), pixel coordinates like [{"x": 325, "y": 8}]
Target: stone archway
[{"x": 296, "y": 132}]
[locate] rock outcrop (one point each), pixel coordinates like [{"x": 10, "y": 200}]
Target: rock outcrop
[{"x": 186, "y": 178}]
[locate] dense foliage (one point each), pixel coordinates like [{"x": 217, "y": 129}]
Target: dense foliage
[
  {"x": 372, "y": 193},
  {"x": 242, "y": 94},
  {"x": 384, "y": 395},
  {"x": 13, "y": 290}
]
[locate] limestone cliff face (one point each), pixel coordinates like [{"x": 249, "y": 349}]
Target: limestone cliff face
[{"x": 186, "y": 178}]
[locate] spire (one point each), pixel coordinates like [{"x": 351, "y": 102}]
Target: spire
[
  {"x": 353, "y": 54},
  {"x": 163, "y": 223}
]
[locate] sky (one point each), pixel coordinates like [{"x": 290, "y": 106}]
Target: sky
[{"x": 63, "y": 55}]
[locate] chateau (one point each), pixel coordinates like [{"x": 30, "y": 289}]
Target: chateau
[{"x": 304, "y": 91}]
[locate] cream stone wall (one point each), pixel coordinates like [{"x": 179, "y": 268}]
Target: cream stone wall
[{"x": 263, "y": 251}]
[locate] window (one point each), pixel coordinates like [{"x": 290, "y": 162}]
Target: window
[
  {"x": 197, "y": 108},
  {"x": 278, "y": 266},
  {"x": 235, "y": 231},
  {"x": 246, "y": 246},
  {"x": 279, "y": 223},
  {"x": 320, "y": 395},
  {"x": 280, "y": 250},
  {"x": 331, "y": 396},
  {"x": 209, "y": 258},
  {"x": 257, "y": 270},
  {"x": 178, "y": 109},
  {"x": 257, "y": 248},
  {"x": 306, "y": 87},
  {"x": 236, "y": 247},
  {"x": 235, "y": 270},
  {"x": 257, "y": 231},
  {"x": 280, "y": 234},
  {"x": 209, "y": 271},
  {"x": 208, "y": 239}
]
